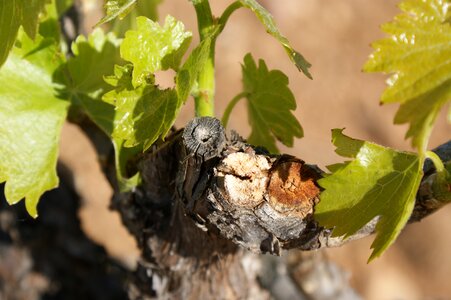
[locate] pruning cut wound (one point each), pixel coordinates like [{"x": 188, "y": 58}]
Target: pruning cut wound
[
  {"x": 204, "y": 137},
  {"x": 245, "y": 178},
  {"x": 292, "y": 189},
  {"x": 250, "y": 179}
]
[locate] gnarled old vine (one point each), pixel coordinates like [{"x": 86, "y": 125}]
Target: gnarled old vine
[{"x": 195, "y": 213}]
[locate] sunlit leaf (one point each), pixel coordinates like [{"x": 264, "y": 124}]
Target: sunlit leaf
[
  {"x": 152, "y": 48},
  {"x": 267, "y": 20},
  {"x": 30, "y": 122},
  {"x": 418, "y": 55},
  {"x": 377, "y": 182},
  {"x": 270, "y": 105},
  {"x": 144, "y": 113}
]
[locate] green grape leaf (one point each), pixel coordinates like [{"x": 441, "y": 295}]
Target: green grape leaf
[
  {"x": 152, "y": 48},
  {"x": 81, "y": 78},
  {"x": 144, "y": 113},
  {"x": 418, "y": 55},
  {"x": 267, "y": 20},
  {"x": 116, "y": 8},
  {"x": 30, "y": 122},
  {"x": 270, "y": 102},
  {"x": 377, "y": 182},
  {"x": 14, "y": 13}
]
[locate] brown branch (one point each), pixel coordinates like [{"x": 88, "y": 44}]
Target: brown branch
[
  {"x": 180, "y": 259},
  {"x": 204, "y": 194},
  {"x": 265, "y": 203}
]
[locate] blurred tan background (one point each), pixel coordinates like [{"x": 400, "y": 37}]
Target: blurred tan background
[{"x": 335, "y": 37}]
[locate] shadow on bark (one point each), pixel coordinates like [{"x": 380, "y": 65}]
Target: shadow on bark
[{"x": 50, "y": 257}]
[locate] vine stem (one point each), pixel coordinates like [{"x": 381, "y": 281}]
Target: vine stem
[
  {"x": 209, "y": 28},
  {"x": 204, "y": 98},
  {"x": 230, "y": 106}
]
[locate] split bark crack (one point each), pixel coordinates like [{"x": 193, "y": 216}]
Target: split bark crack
[{"x": 206, "y": 196}]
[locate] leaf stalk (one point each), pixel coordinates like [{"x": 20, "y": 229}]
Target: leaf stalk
[
  {"x": 230, "y": 106},
  {"x": 227, "y": 13}
]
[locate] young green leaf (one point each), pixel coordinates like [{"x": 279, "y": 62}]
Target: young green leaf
[
  {"x": 270, "y": 102},
  {"x": 152, "y": 48},
  {"x": 267, "y": 20},
  {"x": 81, "y": 78},
  {"x": 418, "y": 54},
  {"x": 377, "y": 182},
  {"x": 144, "y": 113},
  {"x": 14, "y": 13},
  {"x": 30, "y": 122}
]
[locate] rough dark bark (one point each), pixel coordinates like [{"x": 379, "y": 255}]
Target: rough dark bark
[
  {"x": 205, "y": 197},
  {"x": 180, "y": 259}
]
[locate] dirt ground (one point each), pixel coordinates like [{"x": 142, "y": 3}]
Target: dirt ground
[{"x": 335, "y": 37}]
